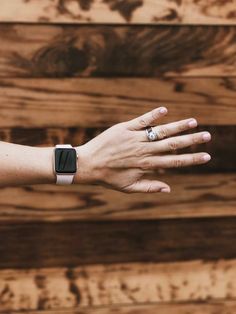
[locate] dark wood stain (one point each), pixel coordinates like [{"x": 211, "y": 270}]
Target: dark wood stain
[
  {"x": 85, "y": 4},
  {"x": 169, "y": 11},
  {"x": 124, "y": 7},
  {"x": 36, "y": 237},
  {"x": 72, "y": 243},
  {"x": 40, "y": 281},
  {"x": 74, "y": 289},
  {"x": 59, "y": 60},
  {"x": 171, "y": 16},
  {"x": 126, "y": 51}
]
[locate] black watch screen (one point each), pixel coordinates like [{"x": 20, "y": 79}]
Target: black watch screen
[{"x": 65, "y": 160}]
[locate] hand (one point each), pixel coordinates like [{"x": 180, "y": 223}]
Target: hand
[{"x": 119, "y": 157}]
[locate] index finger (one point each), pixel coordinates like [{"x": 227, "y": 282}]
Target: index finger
[{"x": 148, "y": 119}]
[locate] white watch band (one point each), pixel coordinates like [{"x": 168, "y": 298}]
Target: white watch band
[{"x": 64, "y": 178}]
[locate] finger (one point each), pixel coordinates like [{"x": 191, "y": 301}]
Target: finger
[
  {"x": 149, "y": 186},
  {"x": 148, "y": 119},
  {"x": 177, "y": 142},
  {"x": 174, "y": 161},
  {"x": 170, "y": 129}
]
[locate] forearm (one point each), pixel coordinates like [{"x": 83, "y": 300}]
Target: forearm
[
  {"x": 25, "y": 165},
  {"x": 21, "y": 164}
]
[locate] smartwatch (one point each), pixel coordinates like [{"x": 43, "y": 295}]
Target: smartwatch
[{"x": 65, "y": 163}]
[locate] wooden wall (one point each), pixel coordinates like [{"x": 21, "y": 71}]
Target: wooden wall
[{"x": 70, "y": 69}]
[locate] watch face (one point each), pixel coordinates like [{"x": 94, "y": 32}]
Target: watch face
[{"x": 65, "y": 160}]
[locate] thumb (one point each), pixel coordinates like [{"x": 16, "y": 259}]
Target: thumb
[
  {"x": 148, "y": 119},
  {"x": 149, "y": 186}
]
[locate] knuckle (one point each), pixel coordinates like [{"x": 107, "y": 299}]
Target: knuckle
[
  {"x": 162, "y": 133},
  {"x": 177, "y": 163},
  {"x": 145, "y": 164},
  {"x": 195, "y": 159},
  {"x": 154, "y": 114},
  {"x": 131, "y": 188},
  {"x": 139, "y": 151},
  {"x": 196, "y": 139},
  {"x": 143, "y": 122},
  {"x": 172, "y": 145},
  {"x": 149, "y": 188},
  {"x": 181, "y": 127}
]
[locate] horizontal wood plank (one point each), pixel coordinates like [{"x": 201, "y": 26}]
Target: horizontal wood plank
[
  {"x": 121, "y": 287},
  {"x": 214, "y": 307},
  {"x": 121, "y": 51},
  {"x": 206, "y": 195},
  {"x": 71, "y": 243},
  {"x": 116, "y": 11},
  {"x": 96, "y": 102}
]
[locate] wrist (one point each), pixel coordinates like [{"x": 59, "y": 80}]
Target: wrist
[{"x": 85, "y": 172}]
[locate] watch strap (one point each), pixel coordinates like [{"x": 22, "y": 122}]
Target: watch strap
[{"x": 63, "y": 179}]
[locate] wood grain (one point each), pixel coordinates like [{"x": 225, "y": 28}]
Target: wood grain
[
  {"x": 214, "y": 307},
  {"x": 120, "y": 11},
  {"x": 123, "y": 288},
  {"x": 87, "y": 249},
  {"x": 71, "y": 243},
  {"x": 97, "y": 102},
  {"x": 192, "y": 196},
  {"x": 117, "y": 51}
]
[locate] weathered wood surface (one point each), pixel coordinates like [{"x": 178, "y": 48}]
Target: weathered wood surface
[
  {"x": 108, "y": 51},
  {"x": 214, "y": 307},
  {"x": 120, "y": 11},
  {"x": 97, "y": 102},
  {"x": 192, "y": 196},
  {"x": 123, "y": 284},
  {"x": 71, "y": 243},
  {"x": 120, "y": 252}
]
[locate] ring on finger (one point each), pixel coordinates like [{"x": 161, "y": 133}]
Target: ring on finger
[{"x": 151, "y": 134}]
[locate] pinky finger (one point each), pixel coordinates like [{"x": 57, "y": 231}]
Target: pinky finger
[
  {"x": 174, "y": 161},
  {"x": 183, "y": 160}
]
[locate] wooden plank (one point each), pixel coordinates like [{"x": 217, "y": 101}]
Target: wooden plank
[
  {"x": 101, "y": 288},
  {"x": 116, "y": 11},
  {"x": 221, "y": 147},
  {"x": 108, "y": 51},
  {"x": 192, "y": 196},
  {"x": 71, "y": 243},
  {"x": 40, "y": 103},
  {"x": 214, "y": 307}
]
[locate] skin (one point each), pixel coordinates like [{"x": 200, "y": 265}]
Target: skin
[{"x": 119, "y": 158}]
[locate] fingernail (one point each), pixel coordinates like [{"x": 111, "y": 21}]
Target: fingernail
[
  {"x": 206, "y": 136},
  {"x": 192, "y": 123},
  {"x": 206, "y": 157},
  {"x": 162, "y": 110},
  {"x": 165, "y": 190}
]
